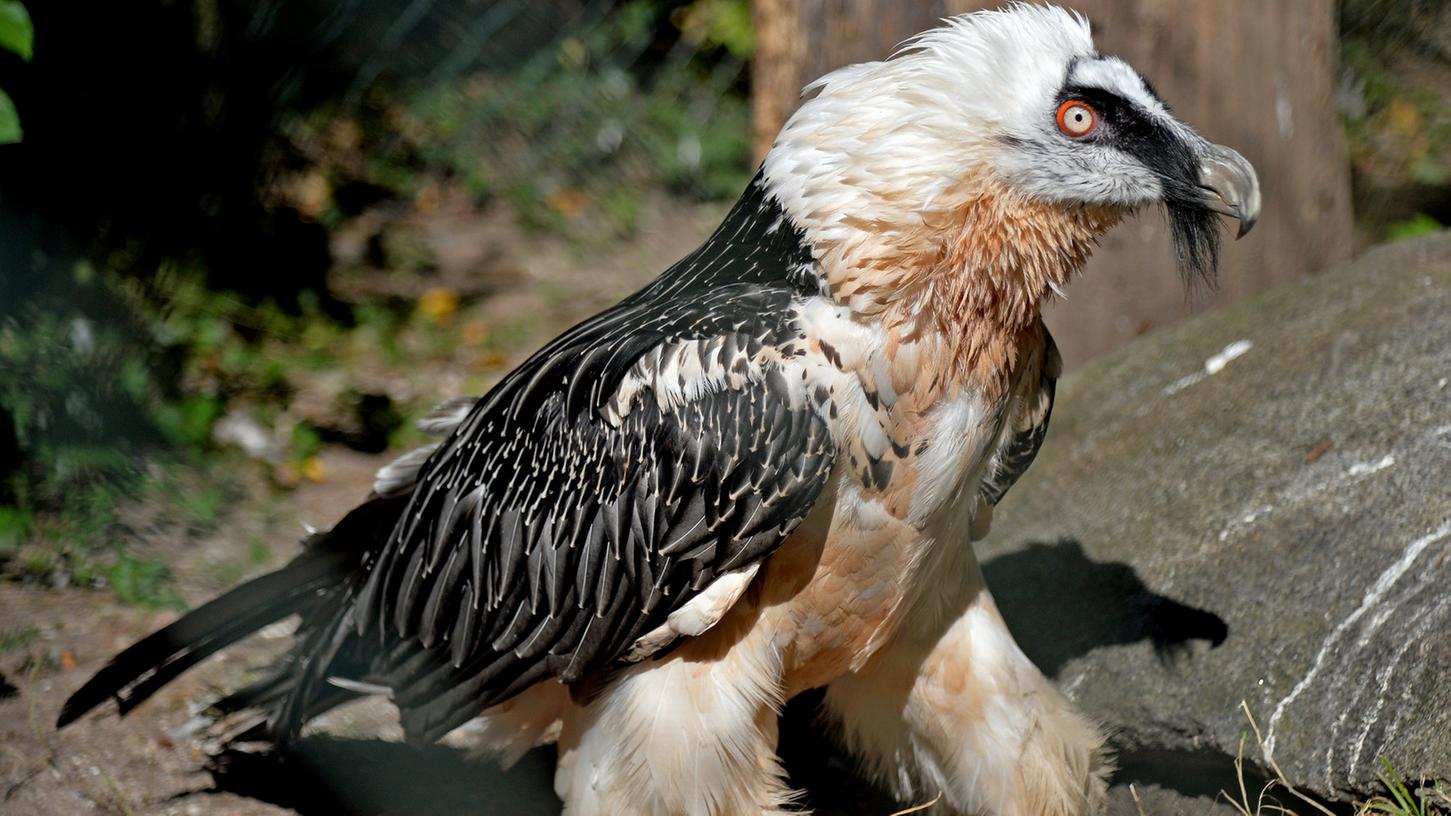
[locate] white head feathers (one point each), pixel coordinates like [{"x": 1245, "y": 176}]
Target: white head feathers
[
  {"x": 905, "y": 130},
  {"x": 973, "y": 105}
]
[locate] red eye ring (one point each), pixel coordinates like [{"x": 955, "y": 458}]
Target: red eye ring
[{"x": 1077, "y": 118}]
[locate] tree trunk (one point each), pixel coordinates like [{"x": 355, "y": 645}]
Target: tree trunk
[{"x": 1257, "y": 75}]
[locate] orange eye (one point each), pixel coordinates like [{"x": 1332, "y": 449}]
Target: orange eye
[{"x": 1077, "y": 119}]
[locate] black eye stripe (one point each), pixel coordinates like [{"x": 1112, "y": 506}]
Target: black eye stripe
[
  {"x": 1111, "y": 108},
  {"x": 1120, "y": 120},
  {"x": 1125, "y": 126}
]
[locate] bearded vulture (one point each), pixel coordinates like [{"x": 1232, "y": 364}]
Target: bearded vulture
[{"x": 762, "y": 473}]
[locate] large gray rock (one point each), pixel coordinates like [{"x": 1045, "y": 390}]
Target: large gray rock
[{"x": 1276, "y": 476}]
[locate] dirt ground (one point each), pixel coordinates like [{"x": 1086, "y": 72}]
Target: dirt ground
[{"x": 152, "y": 761}]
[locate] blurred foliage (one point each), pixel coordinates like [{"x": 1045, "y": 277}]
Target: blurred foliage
[
  {"x": 12, "y": 639},
  {"x": 1414, "y": 227},
  {"x": 85, "y": 398},
  {"x": 648, "y": 96},
  {"x": 1385, "y": 22},
  {"x": 146, "y": 582},
  {"x": 10, "y": 131},
  {"x": 18, "y": 37},
  {"x": 718, "y": 24},
  {"x": 16, "y": 33},
  {"x": 113, "y": 390},
  {"x": 185, "y": 307},
  {"x": 73, "y": 389},
  {"x": 1396, "y": 96}
]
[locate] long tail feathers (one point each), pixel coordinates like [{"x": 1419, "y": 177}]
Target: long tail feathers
[
  {"x": 326, "y": 567},
  {"x": 138, "y": 672}
]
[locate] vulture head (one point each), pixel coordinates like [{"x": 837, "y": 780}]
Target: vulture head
[{"x": 1002, "y": 143}]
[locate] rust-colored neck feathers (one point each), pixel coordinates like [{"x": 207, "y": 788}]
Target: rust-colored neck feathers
[{"x": 968, "y": 280}]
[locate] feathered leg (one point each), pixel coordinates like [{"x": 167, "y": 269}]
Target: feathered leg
[
  {"x": 693, "y": 734},
  {"x": 953, "y": 706}
]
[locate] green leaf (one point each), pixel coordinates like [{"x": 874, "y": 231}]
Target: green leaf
[
  {"x": 1413, "y": 227},
  {"x": 10, "y": 131},
  {"x": 14, "y": 528},
  {"x": 16, "y": 32},
  {"x": 143, "y": 582}
]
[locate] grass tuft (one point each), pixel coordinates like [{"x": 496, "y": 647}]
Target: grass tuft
[
  {"x": 1426, "y": 800},
  {"x": 1399, "y": 800}
]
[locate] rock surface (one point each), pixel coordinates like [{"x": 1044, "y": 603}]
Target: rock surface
[{"x": 1276, "y": 476}]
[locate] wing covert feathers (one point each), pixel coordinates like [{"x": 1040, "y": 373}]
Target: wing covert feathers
[
  {"x": 561, "y": 516},
  {"x": 602, "y": 533},
  {"x": 1032, "y": 408}
]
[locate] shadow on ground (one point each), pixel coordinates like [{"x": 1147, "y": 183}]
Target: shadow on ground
[
  {"x": 1095, "y": 604},
  {"x": 324, "y": 776}
]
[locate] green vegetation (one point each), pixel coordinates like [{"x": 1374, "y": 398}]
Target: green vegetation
[
  {"x": 1396, "y": 61},
  {"x": 113, "y": 397},
  {"x": 1413, "y": 227},
  {"x": 145, "y": 582},
  {"x": 1402, "y": 801},
  {"x": 18, "y": 37},
  {"x": 573, "y": 136},
  {"x": 13, "y": 639},
  {"x": 86, "y": 400},
  {"x": 116, "y": 367}
]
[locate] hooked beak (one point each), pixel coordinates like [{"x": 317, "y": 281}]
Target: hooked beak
[{"x": 1230, "y": 186}]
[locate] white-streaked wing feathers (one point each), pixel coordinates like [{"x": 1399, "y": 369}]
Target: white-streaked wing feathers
[{"x": 625, "y": 480}]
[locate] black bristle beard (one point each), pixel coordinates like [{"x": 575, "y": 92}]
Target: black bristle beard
[{"x": 1196, "y": 245}]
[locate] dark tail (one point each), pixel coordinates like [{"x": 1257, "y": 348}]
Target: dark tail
[{"x": 315, "y": 582}]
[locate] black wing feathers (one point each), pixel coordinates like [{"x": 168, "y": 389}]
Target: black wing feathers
[
  {"x": 583, "y": 568},
  {"x": 543, "y": 540},
  {"x": 546, "y": 534}
]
